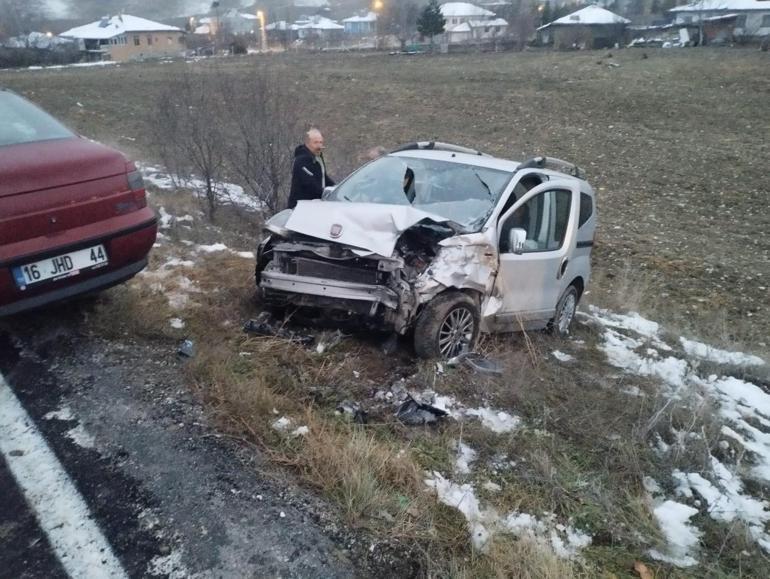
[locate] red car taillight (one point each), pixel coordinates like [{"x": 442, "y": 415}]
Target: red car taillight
[{"x": 136, "y": 185}]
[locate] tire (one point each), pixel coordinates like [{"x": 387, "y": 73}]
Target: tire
[
  {"x": 565, "y": 312},
  {"x": 448, "y": 324}
]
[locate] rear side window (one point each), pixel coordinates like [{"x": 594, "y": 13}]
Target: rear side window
[
  {"x": 586, "y": 209},
  {"x": 23, "y": 122}
]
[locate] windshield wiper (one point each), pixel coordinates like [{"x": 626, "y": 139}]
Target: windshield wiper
[{"x": 489, "y": 191}]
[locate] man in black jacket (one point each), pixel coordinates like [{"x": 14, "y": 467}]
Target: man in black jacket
[{"x": 309, "y": 176}]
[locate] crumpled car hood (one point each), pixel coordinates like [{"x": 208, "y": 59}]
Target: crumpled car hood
[{"x": 374, "y": 227}]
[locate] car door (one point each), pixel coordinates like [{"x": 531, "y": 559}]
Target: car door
[{"x": 534, "y": 273}]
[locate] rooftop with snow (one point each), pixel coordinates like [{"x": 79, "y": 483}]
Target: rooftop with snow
[
  {"x": 590, "y": 15},
  {"x": 109, "y": 27},
  {"x": 460, "y": 9}
]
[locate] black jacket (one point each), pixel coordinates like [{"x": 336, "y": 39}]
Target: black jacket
[{"x": 307, "y": 181}]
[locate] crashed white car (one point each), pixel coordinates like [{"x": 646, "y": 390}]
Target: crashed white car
[{"x": 437, "y": 240}]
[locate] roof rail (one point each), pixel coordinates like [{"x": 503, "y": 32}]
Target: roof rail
[
  {"x": 554, "y": 164},
  {"x": 438, "y": 146}
]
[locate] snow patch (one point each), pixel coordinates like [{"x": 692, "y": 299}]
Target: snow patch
[
  {"x": 300, "y": 431},
  {"x": 681, "y": 537},
  {"x": 227, "y": 193},
  {"x": 169, "y": 566},
  {"x": 564, "y": 540},
  {"x": 497, "y": 421},
  {"x": 465, "y": 457},
  {"x": 282, "y": 424},
  {"x": 212, "y": 248},
  {"x": 176, "y": 323},
  {"x": 64, "y": 413},
  {"x": 706, "y": 352},
  {"x": 562, "y": 356},
  {"x": 81, "y": 437}
]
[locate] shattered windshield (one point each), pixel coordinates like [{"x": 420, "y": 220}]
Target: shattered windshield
[{"x": 458, "y": 192}]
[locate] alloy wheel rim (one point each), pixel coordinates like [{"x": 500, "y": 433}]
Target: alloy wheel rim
[
  {"x": 567, "y": 313},
  {"x": 456, "y": 332}
]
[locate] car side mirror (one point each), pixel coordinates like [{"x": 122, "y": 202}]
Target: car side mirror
[
  {"x": 516, "y": 238},
  {"x": 328, "y": 193}
]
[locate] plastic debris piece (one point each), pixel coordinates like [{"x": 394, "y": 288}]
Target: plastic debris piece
[
  {"x": 414, "y": 413},
  {"x": 481, "y": 364},
  {"x": 265, "y": 325},
  {"x": 186, "y": 349},
  {"x": 353, "y": 409}
]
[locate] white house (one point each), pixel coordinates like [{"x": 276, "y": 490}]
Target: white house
[
  {"x": 126, "y": 37},
  {"x": 361, "y": 25},
  {"x": 589, "y": 27},
  {"x": 752, "y": 17},
  {"x": 315, "y": 27},
  {"x": 466, "y": 22}
]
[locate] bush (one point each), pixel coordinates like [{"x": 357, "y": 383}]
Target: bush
[{"x": 23, "y": 57}]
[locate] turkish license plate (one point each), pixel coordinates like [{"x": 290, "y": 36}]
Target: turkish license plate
[{"x": 61, "y": 266}]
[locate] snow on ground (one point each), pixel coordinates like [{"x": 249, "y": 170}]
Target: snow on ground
[
  {"x": 99, "y": 64},
  {"x": 81, "y": 436},
  {"x": 282, "y": 424},
  {"x": 215, "y": 247},
  {"x": 64, "y": 413},
  {"x": 562, "y": 356},
  {"x": 497, "y": 421},
  {"x": 227, "y": 193},
  {"x": 465, "y": 457},
  {"x": 176, "y": 323},
  {"x": 706, "y": 352},
  {"x": 483, "y": 523},
  {"x": 681, "y": 536},
  {"x": 634, "y": 344},
  {"x": 212, "y": 248}
]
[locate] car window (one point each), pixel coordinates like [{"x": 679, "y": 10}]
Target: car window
[
  {"x": 23, "y": 122},
  {"x": 544, "y": 218},
  {"x": 462, "y": 193},
  {"x": 586, "y": 209}
]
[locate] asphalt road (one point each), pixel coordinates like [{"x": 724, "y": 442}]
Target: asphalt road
[{"x": 167, "y": 495}]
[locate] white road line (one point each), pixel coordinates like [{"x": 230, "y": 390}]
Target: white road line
[{"x": 60, "y": 510}]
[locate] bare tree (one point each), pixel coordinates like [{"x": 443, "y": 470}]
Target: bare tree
[
  {"x": 523, "y": 19},
  {"x": 399, "y": 18},
  {"x": 260, "y": 149},
  {"x": 20, "y": 16},
  {"x": 189, "y": 132}
]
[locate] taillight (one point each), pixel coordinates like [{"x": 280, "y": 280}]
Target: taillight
[
  {"x": 136, "y": 184},
  {"x": 135, "y": 181},
  {"x": 138, "y": 196}
]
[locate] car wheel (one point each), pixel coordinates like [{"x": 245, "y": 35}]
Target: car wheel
[
  {"x": 447, "y": 326},
  {"x": 565, "y": 312}
]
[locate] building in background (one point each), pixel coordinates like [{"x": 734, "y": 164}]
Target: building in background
[
  {"x": 467, "y": 22},
  {"x": 361, "y": 25},
  {"x": 125, "y": 37},
  {"x": 748, "y": 20},
  {"x": 589, "y": 27}
]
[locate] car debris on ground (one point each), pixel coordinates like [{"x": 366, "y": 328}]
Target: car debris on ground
[
  {"x": 186, "y": 349},
  {"x": 266, "y": 325},
  {"x": 415, "y": 413},
  {"x": 353, "y": 410}
]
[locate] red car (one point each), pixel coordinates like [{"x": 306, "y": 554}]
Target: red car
[{"x": 73, "y": 213}]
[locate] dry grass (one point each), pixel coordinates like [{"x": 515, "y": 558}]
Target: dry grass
[{"x": 585, "y": 444}]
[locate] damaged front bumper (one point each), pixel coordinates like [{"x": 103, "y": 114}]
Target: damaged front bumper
[
  {"x": 337, "y": 284},
  {"x": 314, "y": 286}
]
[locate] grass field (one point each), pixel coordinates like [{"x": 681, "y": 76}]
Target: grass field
[{"x": 676, "y": 144}]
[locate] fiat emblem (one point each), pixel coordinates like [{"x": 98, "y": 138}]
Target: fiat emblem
[{"x": 336, "y": 230}]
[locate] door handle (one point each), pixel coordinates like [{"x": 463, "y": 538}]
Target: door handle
[{"x": 562, "y": 268}]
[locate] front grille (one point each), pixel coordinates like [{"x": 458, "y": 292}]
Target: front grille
[{"x": 326, "y": 270}]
